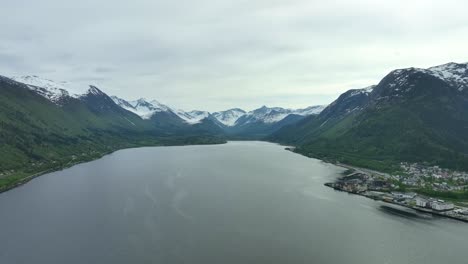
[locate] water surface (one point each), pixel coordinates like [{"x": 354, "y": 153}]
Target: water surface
[{"x": 243, "y": 202}]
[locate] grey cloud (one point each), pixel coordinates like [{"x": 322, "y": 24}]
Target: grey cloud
[
  {"x": 219, "y": 54},
  {"x": 104, "y": 69}
]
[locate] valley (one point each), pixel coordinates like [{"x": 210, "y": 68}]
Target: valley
[
  {"x": 412, "y": 115},
  {"x": 243, "y": 132}
]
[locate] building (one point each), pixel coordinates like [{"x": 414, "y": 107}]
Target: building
[
  {"x": 421, "y": 202},
  {"x": 354, "y": 186},
  {"x": 378, "y": 185},
  {"x": 461, "y": 211},
  {"x": 441, "y": 206},
  {"x": 404, "y": 195}
]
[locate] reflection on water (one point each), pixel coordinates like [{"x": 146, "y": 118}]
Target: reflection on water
[
  {"x": 405, "y": 212},
  {"x": 243, "y": 202}
]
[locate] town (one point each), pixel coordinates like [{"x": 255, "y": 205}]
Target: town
[
  {"x": 409, "y": 188},
  {"x": 434, "y": 177}
]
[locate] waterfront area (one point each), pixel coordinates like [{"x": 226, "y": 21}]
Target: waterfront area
[{"x": 409, "y": 188}]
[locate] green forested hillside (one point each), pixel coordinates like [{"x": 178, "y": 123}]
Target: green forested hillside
[
  {"x": 37, "y": 135},
  {"x": 422, "y": 119}
]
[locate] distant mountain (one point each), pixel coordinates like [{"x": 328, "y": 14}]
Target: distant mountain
[
  {"x": 192, "y": 117},
  {"x": 416, "y": 115},
  {"x": 149, "y": 109},
  {"x": 143, "y": 108},
  {"x": 235, "y": 122},
  {"x": 239, "y": 124},
  {"x": 229, "y": 117},
  {"x": 263, "y": 121},
  {"x": 274, "y": 114}
]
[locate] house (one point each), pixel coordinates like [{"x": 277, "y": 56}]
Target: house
[{"x": 378, "y": 185}]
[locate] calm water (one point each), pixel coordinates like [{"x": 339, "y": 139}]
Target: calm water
[{"x": 243, "y": 202}]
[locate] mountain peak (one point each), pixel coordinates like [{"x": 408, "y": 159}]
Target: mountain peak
[
  {"x": 53, "y": 90},
  {"x": 192, "y": 117},
  {"x": 95, "y": 91},
  {"x": 268, "y": 115},
  {"x": 230, "y": 116},
  {"x": 141, "y": 106},
  {"x": 456, "y": 74}
]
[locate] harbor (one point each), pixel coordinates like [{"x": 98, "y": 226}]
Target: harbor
[{"x": 380, "y": 188}]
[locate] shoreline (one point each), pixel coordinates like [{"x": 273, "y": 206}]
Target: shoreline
[
  {"x": 369, "y": 195},
  {"x": 31, "y": 177},
  {"x": 386, "y": 199}
]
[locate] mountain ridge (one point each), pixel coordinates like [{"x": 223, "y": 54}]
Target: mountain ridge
[
  {"x": 412, "y": 114},
  {"x": 39, "y": 133}
]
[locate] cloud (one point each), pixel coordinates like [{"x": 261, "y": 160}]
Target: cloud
[{"x": 220, "y": 54}]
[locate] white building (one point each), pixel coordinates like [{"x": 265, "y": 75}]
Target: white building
[
  {"x": 421, "y": 202},
  {"x": 461, "y": 211},
  {"x": 441, "y": 206}
]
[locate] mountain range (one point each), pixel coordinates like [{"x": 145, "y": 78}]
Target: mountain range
[
  {"x": 411, "y": 115},
  {"x": 46, "y": 125},
  {"x": 230, "y": 120}
]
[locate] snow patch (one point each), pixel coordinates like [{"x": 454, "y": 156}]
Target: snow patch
[
  {"x": 311, "y": 110},
  {"x": 366, "y": 91},
  {"x": 229, "y": 117},
  {"x": 192, "y": 117},
  {"x": 54, "y": 91},
  {"x": 141, "y": 107},
  {"x": 454, "y": 73},
  {"x": 276, "y": 114}
]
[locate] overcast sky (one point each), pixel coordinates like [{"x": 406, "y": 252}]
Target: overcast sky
[{"x": 218, "y": 54}]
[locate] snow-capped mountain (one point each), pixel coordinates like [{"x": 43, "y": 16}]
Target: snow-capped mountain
[
  {"x": 454, "y": 73},
  {"x": 411, "y": 114},
  {"x": 142, "y": 107},
  {"x": 350, "y": 101},
  {"x": 270, "y": 115},
  {"x": 311, "y": 110},
  {"x": 55, "y": 91},
  {"x": 399, "y": 85},
  {"x": 229, "y": 117},
  {"x": 146, "y": 109},
  {"x": 192, "y": 117},
  {"x": 266, "y": 115}
]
